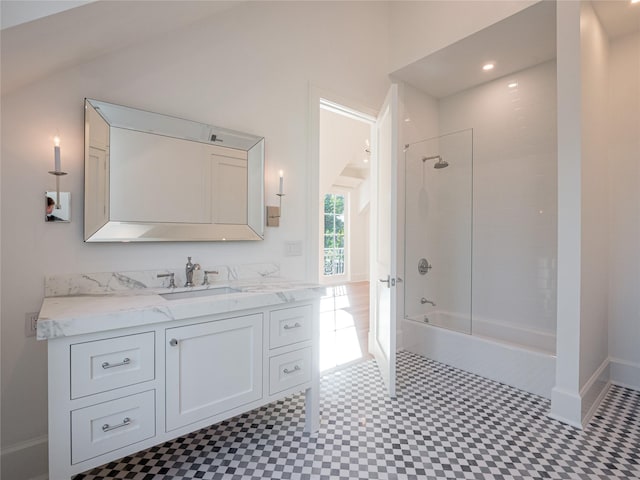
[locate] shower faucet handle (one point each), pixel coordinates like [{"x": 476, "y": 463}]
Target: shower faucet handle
[{"x": 424, "y": 266}]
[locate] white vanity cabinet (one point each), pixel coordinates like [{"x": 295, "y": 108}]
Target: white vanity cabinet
[{"x": 115, "y": 392}]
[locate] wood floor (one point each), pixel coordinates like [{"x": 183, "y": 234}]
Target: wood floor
[{"x": 344, "y": 325}]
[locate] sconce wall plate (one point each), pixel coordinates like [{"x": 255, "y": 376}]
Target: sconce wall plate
[
  {"x": 273, "y": 216},
  {"x": 273, "y": 213}
]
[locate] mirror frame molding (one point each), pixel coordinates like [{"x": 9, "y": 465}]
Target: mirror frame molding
[{"x": 99, "y": 227}]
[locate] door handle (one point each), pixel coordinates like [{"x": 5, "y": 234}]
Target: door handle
[{"x": 391, "y": 282}]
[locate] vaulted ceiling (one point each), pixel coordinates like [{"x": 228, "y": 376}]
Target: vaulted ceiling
[{"x": 42, "y": 37}]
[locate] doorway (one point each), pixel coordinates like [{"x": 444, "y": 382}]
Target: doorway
[{"x": 344, "y": 141}]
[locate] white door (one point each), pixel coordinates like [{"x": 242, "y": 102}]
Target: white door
[{"x": 382, "y": 342}]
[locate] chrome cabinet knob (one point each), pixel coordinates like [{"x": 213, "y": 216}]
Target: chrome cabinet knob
[{"x": 173, "y": 342}]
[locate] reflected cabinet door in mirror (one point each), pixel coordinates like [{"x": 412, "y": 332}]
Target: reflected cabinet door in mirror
[{"x": 150, "y": 177}]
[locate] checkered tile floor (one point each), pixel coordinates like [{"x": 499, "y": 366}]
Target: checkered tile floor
[{"x": 445, "y": 423}]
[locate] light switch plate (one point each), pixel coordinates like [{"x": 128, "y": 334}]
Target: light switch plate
[{"x": 293, "y": 249}]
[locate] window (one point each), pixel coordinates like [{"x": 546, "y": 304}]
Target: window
[{"x": 333, "y": 235}]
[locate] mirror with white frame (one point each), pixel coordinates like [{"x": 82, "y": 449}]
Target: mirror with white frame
[{"x": 152, "y": 177}]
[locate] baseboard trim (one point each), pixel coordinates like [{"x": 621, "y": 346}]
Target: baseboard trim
[
  {"x": 360, "y": 277},
  {"x": 44, "y": 476},
  {"x": 566, "y": 407},
  {"x": 594, "y": 391},
  {"x": 577, "y": 408},
  {"x": 16, "y": 447},
  {"x": 27, "y": 460},
  {"x": 624, "y": 373}
]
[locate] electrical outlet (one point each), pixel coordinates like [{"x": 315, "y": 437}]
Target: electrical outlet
[{"x": 30, "y": 324}]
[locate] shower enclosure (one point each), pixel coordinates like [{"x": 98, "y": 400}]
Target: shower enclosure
[{"x": 438, "y": 236}]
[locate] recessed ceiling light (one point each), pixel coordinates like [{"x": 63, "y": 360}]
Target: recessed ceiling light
[
  {"x": 635, "y": 1},
  {"x": 513, "y": 85},
  {"x": 488, "y": 66}
]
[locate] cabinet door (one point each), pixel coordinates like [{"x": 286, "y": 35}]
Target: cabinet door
[{"x": 212, "y": 367}]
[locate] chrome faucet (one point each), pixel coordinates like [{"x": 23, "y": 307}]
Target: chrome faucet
[
  {"x": 172, "y": 282},
  {"x": 205, "y": 280},
  {"x": 424, "y": 300},
  {"x": 189, "y": 269}
]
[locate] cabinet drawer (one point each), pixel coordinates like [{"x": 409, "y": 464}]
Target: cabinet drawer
[
  {"x": 289, "y": 369},
  {"x": 289, "y": 325},
  {"x": 112, "y": 363},
  {"x": 108, "y": 426}
]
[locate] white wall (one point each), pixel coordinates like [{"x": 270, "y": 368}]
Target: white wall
[
  {"x": 358, "y": 240},
  {"x": 247, "y": 69},
  {"x": 514, "y": 202},
  {"x": 419, "y": 28},
  {"x": 595, "y": 202},
  {"x": 623, "y": 158}
]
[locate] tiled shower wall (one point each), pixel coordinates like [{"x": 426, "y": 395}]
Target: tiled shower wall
[{"x": 514, "y": 203}]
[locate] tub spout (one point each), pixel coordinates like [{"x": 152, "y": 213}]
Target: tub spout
[{"x": 424, "y": 300}]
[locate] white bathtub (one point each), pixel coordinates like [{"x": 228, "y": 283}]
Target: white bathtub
[
  {"x": 452, "y": 321},
  {"x": 490, "y": 355},
  {"x": 490, "y": 329}
]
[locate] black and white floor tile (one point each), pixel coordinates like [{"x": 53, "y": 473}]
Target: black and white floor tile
[{"x": 444, "y": 423}]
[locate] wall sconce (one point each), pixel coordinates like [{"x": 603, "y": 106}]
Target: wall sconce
[
  {"x": 273, "y": 213},
  {"x": 57, "y": 172}
]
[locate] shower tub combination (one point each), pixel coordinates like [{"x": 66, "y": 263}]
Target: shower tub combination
[{"x": 438, "y": 293}]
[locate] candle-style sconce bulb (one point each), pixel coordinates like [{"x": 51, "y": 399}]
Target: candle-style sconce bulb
[
  {"x": 57, "y": 170},
  {"x": 281, "y": 190}
]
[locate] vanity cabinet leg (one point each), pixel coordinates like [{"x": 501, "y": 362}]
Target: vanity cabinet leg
[{"x": 312, "y": 409}]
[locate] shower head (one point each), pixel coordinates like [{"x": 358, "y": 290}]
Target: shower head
[{"x": 439, "y": 164}]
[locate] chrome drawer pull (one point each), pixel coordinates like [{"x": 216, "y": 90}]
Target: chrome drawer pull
[
  {"x": 295, "y": 369},
  {"x": 106, "y": 365},
  {"x": 107, "y": 428},
  {"x": 289, "y": 327}
]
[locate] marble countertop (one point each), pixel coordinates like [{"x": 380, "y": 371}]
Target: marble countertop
[{"x": 64, "y": 316}]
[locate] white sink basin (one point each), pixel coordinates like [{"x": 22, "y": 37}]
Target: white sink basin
[{"x": 209, "y": 292}]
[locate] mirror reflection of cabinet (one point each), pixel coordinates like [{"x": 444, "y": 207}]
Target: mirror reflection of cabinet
[
  {"x": 96, "y": 168},
  {"x": 150, "y": 177}
]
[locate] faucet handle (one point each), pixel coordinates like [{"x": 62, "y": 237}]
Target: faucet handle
[
  {"x": 205, "y": 280},
  {"x": 172, "y": 283}
]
